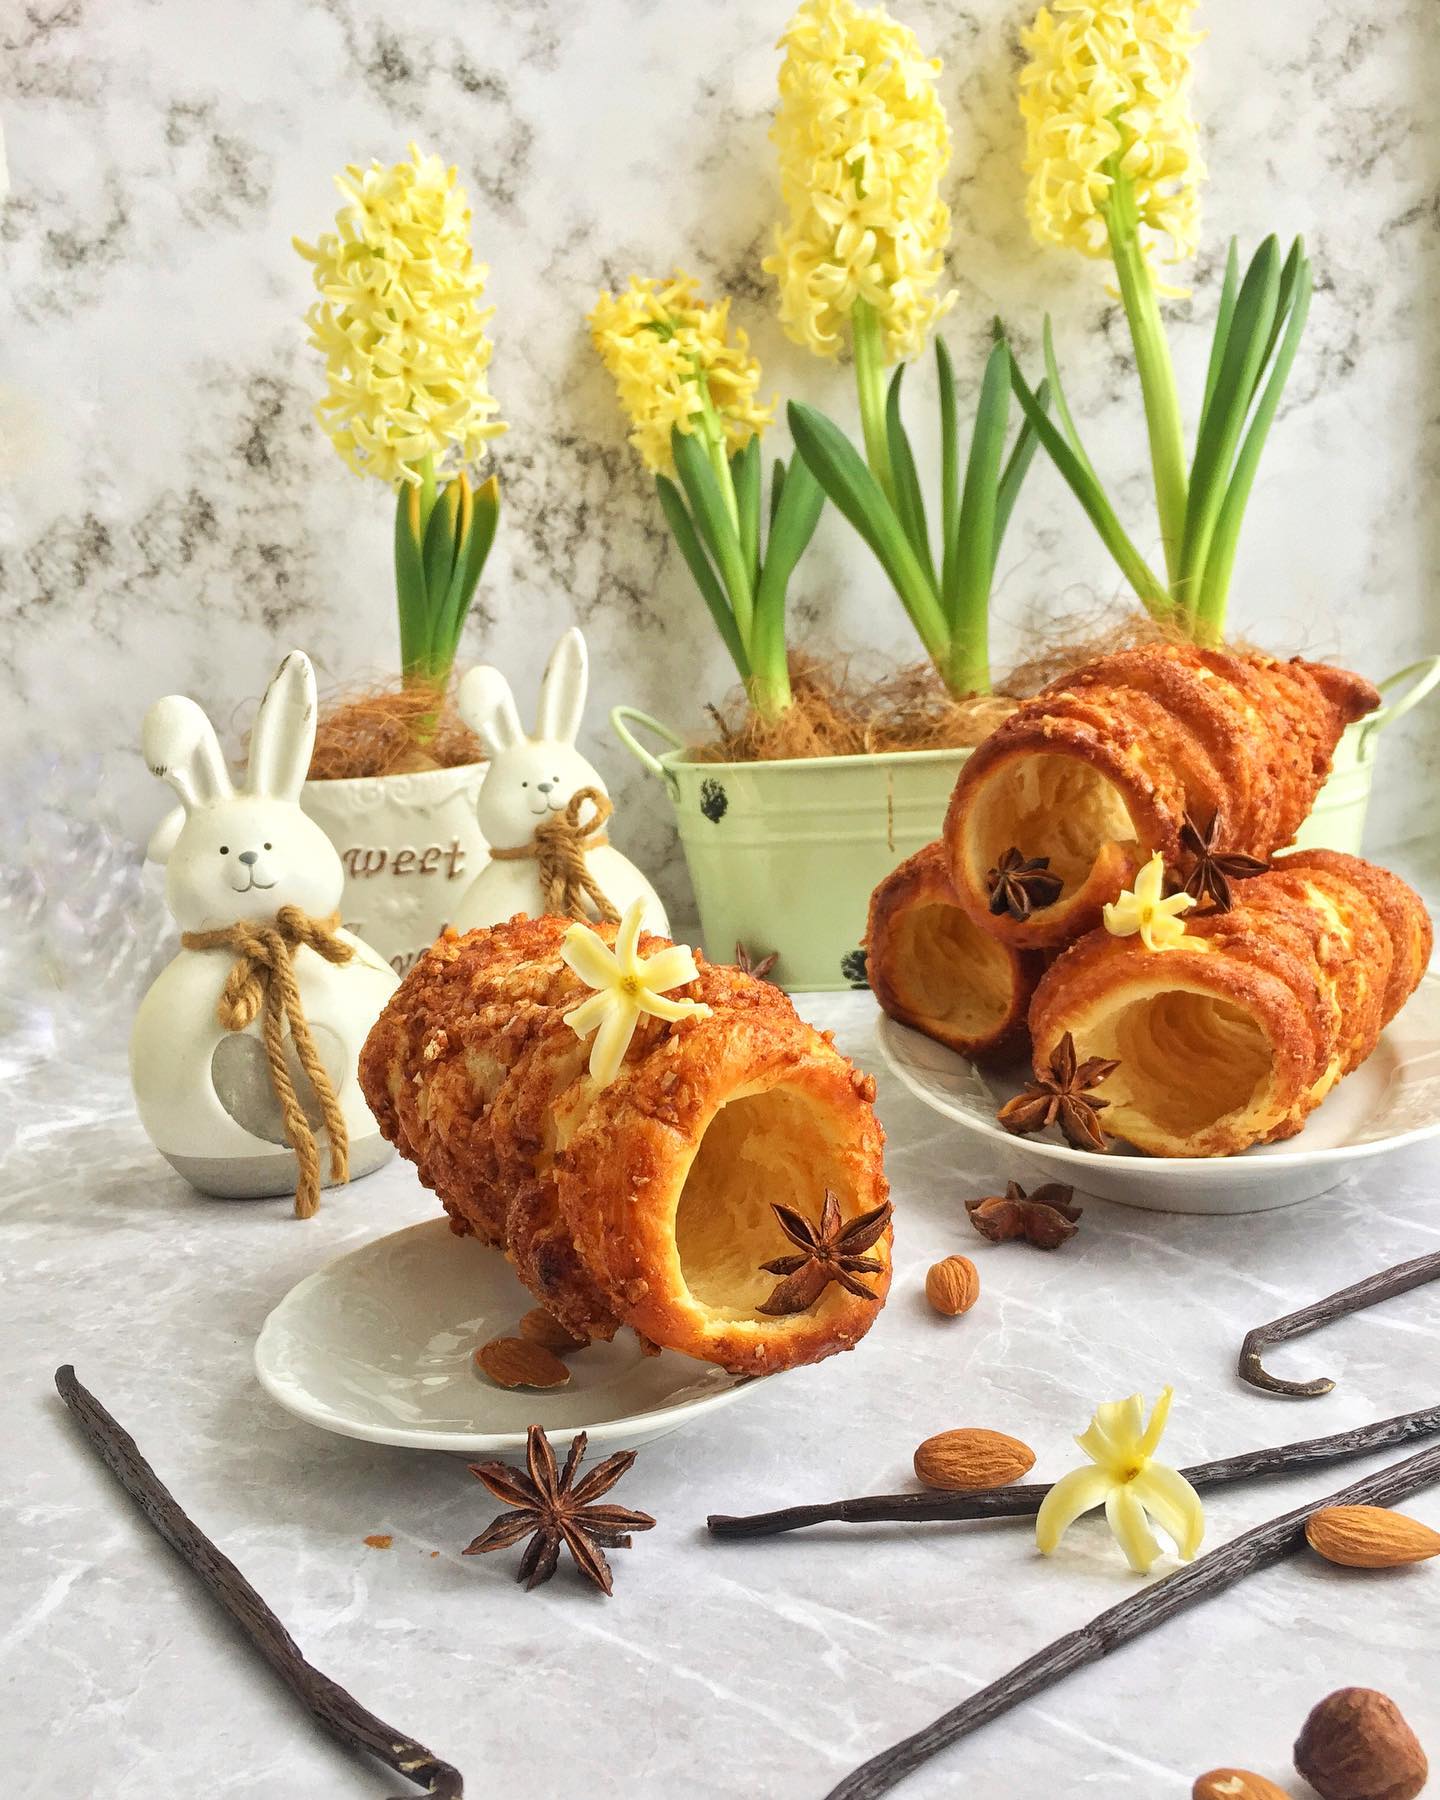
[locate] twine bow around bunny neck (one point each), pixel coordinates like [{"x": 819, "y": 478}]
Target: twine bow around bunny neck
[
  {"x": 261, "y": 984},
  {"x": 558, "y": 848}
]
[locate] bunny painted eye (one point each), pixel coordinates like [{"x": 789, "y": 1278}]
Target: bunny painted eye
[
  {"x": 224, "y": 849},
  {"x": 267, "y": 846},
  {"x": 524, "y": 784}
]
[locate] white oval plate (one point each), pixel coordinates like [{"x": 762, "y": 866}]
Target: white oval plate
[
  {"x": 1392, "y": 1099},
  {"x": 380, "y": 1345}
]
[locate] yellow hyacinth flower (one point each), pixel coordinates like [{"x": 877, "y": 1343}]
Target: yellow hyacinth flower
[
  {"x": 1105, "y": 94},
  {"x": 1141, "y": 909},
  {"x": 400, "y": 322},
  {"x": 670, "y": 352},
  {"x": 626, "y": 985},
  {"x": 864, "y": 145},
  {"x": 1129, "y": 1483}
]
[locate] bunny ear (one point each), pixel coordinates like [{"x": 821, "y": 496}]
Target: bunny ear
[
  {"x": 284, "y": 733},
  {"x": 488, "y": 707},
  {"x": 181, "y": 747},
  {"x": 163, "y": 837},
  {"x": 563, "y": 689}
]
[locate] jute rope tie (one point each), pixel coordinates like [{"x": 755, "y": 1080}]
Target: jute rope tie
[
  {"x": 261, "y": 984},
  {"x": 558, "y": 848}
]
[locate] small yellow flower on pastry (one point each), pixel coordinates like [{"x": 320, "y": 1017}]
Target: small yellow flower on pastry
[
  {"x": 1142, "y": 909},
  {"x": 670, "y": 353},
  {"x": 1105, "y": 98},
  {"x": 1133, "y": 1487},
  {"x": 400, "y": 322},
  {"x": 626, "y": 985},
  {"x": 864, "y": 146}
]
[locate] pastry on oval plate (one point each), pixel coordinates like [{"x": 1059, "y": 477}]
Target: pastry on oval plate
[
  {"x": 1101, "y": 769},
  {"x": 1236, "y": 1030},
  {"x": 695, "y": 1182}
]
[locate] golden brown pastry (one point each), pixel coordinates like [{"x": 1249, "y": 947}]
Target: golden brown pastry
[
  {"x": 1099, "y": 770},
  {"x": 1231, "y": 1037},
  {"x": 932, "y": 967},
  {"x": 647, "y": 1202}
]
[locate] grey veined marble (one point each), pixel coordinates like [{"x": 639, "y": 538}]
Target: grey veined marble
[
  {"x": 766, "y": 1669},
  {"x": 171, "y": 515}
]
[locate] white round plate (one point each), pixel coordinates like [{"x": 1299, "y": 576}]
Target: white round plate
[
  {"x": 1392, "y": 1099},
  {"x": 381, "y": 1343}
]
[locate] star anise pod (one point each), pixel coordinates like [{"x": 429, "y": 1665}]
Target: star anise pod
[
  {"x": 1045, "y": 1218},
  {"x": 831, "y": 1251},
  {"x": 1062, "y": 1096},
  {"x": 1214, "y": 869},
  {"x": 551, "y": 1508},
  {"x": 1018, "y": 885},
  {"x": 758, "y": 966}
]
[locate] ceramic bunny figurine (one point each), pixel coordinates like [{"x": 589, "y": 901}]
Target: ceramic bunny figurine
[
  {"x": 531, "y": 781},
  {"x": 206, "y": 1094}
]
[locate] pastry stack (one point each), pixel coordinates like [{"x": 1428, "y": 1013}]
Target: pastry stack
[{"x": 994, "y": 942}]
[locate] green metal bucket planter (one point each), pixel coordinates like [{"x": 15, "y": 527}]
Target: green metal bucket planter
[
  {"x": 783, "y": 856},
  {"x": 1337, "y": 821}
]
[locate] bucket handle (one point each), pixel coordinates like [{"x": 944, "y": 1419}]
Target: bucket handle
[
  {"x": 621, "y": 718},
  {"x": 1424, "y": 674}
]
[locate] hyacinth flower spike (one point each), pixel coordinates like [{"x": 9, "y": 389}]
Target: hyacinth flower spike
[
  {"x": 1112, "y": 155},
  {"x": 686, "y": 380},
  {"x": 401, "y": 325},
  {"x": 864, "y": 146}
]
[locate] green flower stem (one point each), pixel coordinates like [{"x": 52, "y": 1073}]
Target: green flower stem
[
  {"x": 712, "y": 429},
  {"x": 738, "y": 580},
  {"x": 868, "y": 347},
  {"x": 769, "y": 693},
  {"x": 1157, "y": 372},
  {"x": 412, "y": 605},
  {"x": 429, "y": 493}
]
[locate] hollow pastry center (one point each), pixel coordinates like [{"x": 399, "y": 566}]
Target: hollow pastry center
[
  {"x": 758, "y": 1148},
  {"x": 948, "y": 972},
  {"x": 1187, "y": 1061},
  {"x": 1055, "y": 806}
]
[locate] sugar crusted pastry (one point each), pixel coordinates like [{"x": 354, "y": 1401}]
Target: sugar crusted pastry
[
  {"x": 647, "y": 1202},
  {"x": 1235, "y": 1034},
  {"x": 933, "y": 968},
  {"x": 1101, "y": 768}
]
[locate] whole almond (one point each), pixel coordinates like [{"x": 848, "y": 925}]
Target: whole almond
[
  {"x": 512, "y": 1362},
  {"x": 1369, "y": 1537},
  {"x": 972, "y": 1458},
  {"x": 952, "y": 1286},
  {"x": 1235, "y": 1784},
  {"x": 541, "y": 1327}
]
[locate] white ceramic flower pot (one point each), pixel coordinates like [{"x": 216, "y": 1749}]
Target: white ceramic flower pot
[{"x": 410, "y": 846}]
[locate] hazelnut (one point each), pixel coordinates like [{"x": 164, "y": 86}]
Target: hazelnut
[{"x": 1356, "y": 1746}]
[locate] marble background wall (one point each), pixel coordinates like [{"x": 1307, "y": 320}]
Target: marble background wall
[{"x": 171, "y": 517}]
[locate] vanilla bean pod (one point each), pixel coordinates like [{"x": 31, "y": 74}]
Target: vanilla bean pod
[
  {"x": 340, "y": 1713},
  {"x": 1142, "y": 1612},
  {"x": 1370, "y": 1292},
  {"x": 1023, "y": 1499}
]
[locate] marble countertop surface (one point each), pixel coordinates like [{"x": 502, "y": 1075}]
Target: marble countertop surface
[{"x": 767, "y": 1668}]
